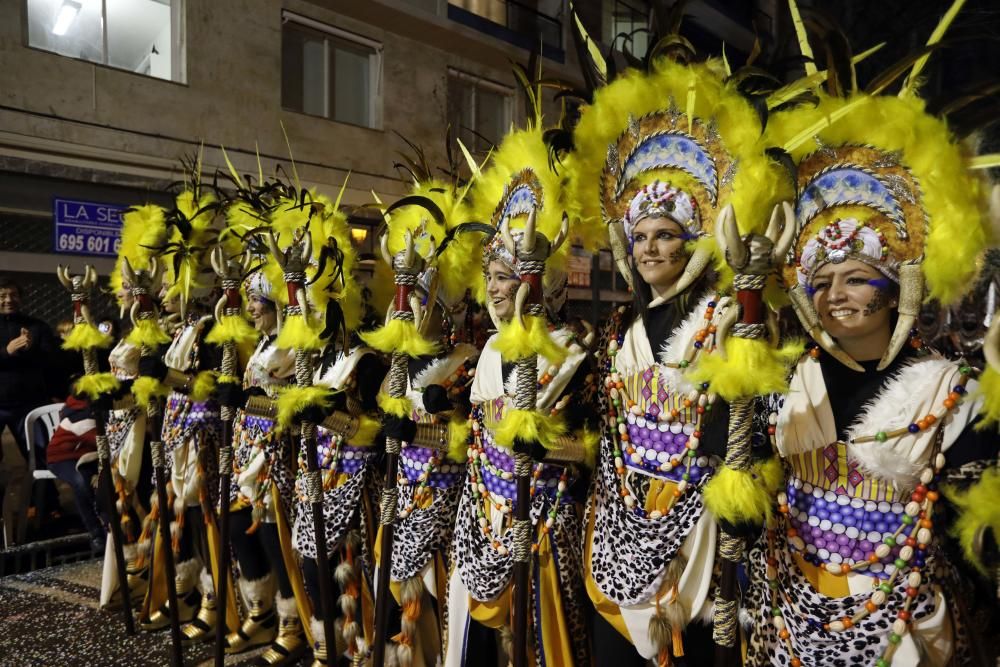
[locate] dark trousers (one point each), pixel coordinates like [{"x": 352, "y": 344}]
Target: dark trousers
[
  {"x": 260, "y": 553},
  {"x": 80, "y": 480},
  {"x": 12, "y": 417}
]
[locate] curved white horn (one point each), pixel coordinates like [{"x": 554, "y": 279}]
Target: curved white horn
[
  {"x": 995, "y": 212},
  {"x": 384, "y": 247},
  {"x": 307, "y": 244},
  {"x": 508, "y": 238},
  {"x": 218, "y": 261},
  {"x": 218, "y": 310},
  {"x": 91, "y": 275},
  {"x": 991, "y": 344},
  {"x": 519, "y": 299},
  {"x": 562, "y": 235},
  {"x": 62, "y": 273},
  {"x": 728, "y": 234},
  {"x": 272, "y": 244},
  {"x": 528, "y": 240},
  {"x": 408, "y": 249},
  {"x": 783, "y": 243},
  {"x": 725, "y": 325},
  {"x": 418, "y": 312},
  {"x": 127, "y": 272},
  {"x": 155, "y": 273},
  {"x": 911, "y": 296}
]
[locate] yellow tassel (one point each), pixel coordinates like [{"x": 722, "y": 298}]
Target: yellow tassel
[
  {"x": 368, "y": 428},
  {"x": 516, "y": 341},
  {"x": 146, "y": 389},
  {"x": 148, "y": 333},
  {"x": 203, "y": 386},
  {"x": 398, "y": 407},
  {"x": 978, "y": 510},
  {"x": 297, "y": 334},
  {"x": 292, "y": 400},
  {"x": 458, "y": 439},
  {"x": 528, "y": 426},
  {"x": 232, "y": 329},
  {"x": 591, "y": 444},
  {"x": 989, "y": 390},
  {"x": 771, "y": 473},
  {"x": 227, "y": 379},
  {"x": 738, "y": 496},
  {"x": 85, "y": 336},
  {"x": 751, "y": 368},
  {"x": 93, "y": 386},
  {"x": 399, "y": 336}
]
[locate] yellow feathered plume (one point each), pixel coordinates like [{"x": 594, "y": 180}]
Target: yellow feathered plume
[
  {"x": 395, "y": 406},
  {"x": 744, "y": 496},
  {"x": 96, "y": 385},
  {"x": 750, "y": 368},
  {"x": 192, "y": 272},
  {"x": 989, "y": 390},
  {"x": 232, "y": 329},
  {"x": 978, "y": 511},
  {"x": 949, "y": 193},
  {"x": 147, "y": 389},
  {"x": 516, "y": 341},
  {"x": 144, "y": 231},
  {"x": 368, "y": 429},
  {"x": 458, "y": 439},
  {"x": 204, "y": 385},
  {"x": 528, "y": 426},
  {"x": 148, "y": 332},
  {"x": 400, "y": 336},
  {"x": 292, "y": 400},
  {"x": 84, "y": 336}
]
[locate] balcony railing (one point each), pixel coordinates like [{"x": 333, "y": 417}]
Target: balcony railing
[{"x": 512, "y": 22}]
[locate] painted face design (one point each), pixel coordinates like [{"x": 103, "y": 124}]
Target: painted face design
[{"x": 853, "y": 299}]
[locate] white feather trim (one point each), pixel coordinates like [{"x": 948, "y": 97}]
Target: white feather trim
[{"x": 287, "y": 608}]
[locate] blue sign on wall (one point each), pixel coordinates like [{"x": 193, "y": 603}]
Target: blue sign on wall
[{"x": 87, "y": 228}]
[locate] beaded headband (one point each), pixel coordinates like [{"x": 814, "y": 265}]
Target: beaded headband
[
  {"x": 658, "y": 199},
  {"x": 842, "y": 240}
]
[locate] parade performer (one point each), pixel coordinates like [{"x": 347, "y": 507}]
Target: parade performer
[
  {"x": 660, "y": 156},
  {"x": 143, "y": 230},
  {"x": 335, "y": 398},
  {"x": 191, "y": 423},
  {"x": 874, "y": 425},
  {"x": 261, "y": 460},
  {"x": 432, "y": 458},
  {"x": 531, "y": 420}
]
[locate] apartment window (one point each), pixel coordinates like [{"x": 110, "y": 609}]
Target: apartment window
[
  {"x": 627, "y": 17},
  {"x": 479, "y": 110},
  {"x": 141, "y": 36},
  {"x": 329, "y": 72}
]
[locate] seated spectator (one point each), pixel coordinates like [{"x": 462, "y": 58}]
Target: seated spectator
[{"x": 72, "y": 457}]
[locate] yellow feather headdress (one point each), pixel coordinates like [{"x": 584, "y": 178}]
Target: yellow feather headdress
[
  {"x": 686, "y": 127},
  {"x": 144, "y": 231}
]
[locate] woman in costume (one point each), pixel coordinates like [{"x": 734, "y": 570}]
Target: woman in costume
[
  {"x": 432, "y": 459},
  {"x": 661, "y": 155},
  {"x": 143, "y": 230},
  {"x": 191, "y": 426},
  {"x": 261, "y": 461},
  {"x": 524, "y": 198},
  {"x": 341, "y": 401},
  {"x": 873, "y": 425}
]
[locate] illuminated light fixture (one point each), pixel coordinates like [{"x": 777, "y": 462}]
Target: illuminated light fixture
[
  {"x": 359, "y": 234},
  {"x": 67, "y": 14}
]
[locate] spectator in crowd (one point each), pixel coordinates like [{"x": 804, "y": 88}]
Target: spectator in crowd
[
  {"x": 27, "y": 348},
  {"x": 72, "y": 457}
]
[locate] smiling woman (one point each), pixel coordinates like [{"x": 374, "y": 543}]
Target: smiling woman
[{"x": 855, "y": 303}]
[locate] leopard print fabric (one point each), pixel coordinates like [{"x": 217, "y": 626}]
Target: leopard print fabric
[
  {"x": 622, "y": 537},
  {"x": 425, "y": 531},
  {"x": 340, "y": 507},
  {"x": 805, "y": 610}
]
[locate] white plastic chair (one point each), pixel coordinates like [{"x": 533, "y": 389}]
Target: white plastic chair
[{"x": 49, "y": 414}]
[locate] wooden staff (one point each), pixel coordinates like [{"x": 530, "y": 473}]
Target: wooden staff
[
  {"x": 407, "y": 266},
  {"x": 144, "y": 284},
  {"x": 531, "y": 251},
  {"x": 293, "y": 262},
  {"x": 79, "y": 288},
  {"x": 752, "y": 259},
  {"x": 229, "y": 305}
]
